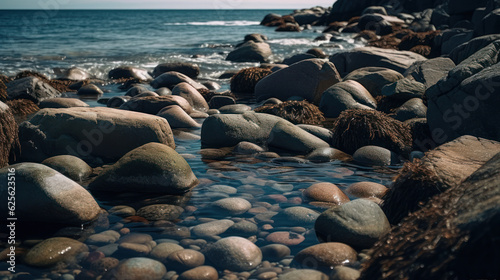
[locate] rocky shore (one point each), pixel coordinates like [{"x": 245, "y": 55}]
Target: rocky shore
[{"x": 177, "y": 179}]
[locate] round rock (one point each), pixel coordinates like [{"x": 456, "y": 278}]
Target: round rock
[
  {"x": 296, "y": 216},
  {"x": 234, "y": 253},
  {"x": 367, "y": 189},
  {"x": 275, "y": 252},
  {"x": 185, "y": 259},
  {"x": 359, "y": 223},
  {"x": 163, "y": 250},
  {"x": 325, "y": 192},
  {"x": 304, "y": 274},
  {"x": 324, "y": 256},
  {"x": 375, "y": 156},
  {"x": 200, "y": 273},
  {"x": 139, "y": 268},
  {"x": 233, "y": 205},
  {"x": 213, "y": 228},
  {"x": 285, "y": 237},
  {"x": 53, "y": 251},
  {"x": 158, "y": 212}
]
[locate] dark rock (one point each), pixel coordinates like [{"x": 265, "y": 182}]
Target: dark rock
[
  {"x": 255, "y": 37},
  {"x": 463, "y": 51},
  {"x": 297, "y": 58},
  {"x": 171, "y": 79},
  {"x": 251, "y": 52},
  {"x": 90, "y": 90},
  {"x": 272, "y": 20},
  {"x": 70, "y": 166},
  {"x": 154, "y": 104},
  {"x": 374, "y": 78},
  {"x": 218, "y": 101},
  {"x": 288, "y": 27},
  {"x": 375, "y": 156},
  {"x": 429, "y": 72},
  {"x": 31, "y": 88},
  {"x": 177, "y": 117},
  {"x": 375, "y": 22},
  {"x": 413, "y": 108},
  {"x": 404, "y": 89},
  {"x": 442, "y": 168},
  {"x": 117, "y": 101},
  {"x": 136, "y": 90},
  {"x": 128, "y": 72},
  {"x": 72, "y": 74},
  {"x": 188, "y": 69},
  {"x": 287, "y": 136}
]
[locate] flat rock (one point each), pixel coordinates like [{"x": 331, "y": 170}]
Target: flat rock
[
  {"x": 374, "y": 78},
  {"x": 70, "y": 166},
  {"x": 53, "y": 251},
  {"x": 157, "y": 212},
  {"x": 90, "y": 132},
  {"x": 128, "y": 72},
  {"x": 429, "y": 72},
  {"x": 213, "y": 228}
]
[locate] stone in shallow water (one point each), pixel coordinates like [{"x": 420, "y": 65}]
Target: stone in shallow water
[
  {"x": 359, "y": 223},
  {"x": 375, "y": 156},
  {"x": 325, "y": 192},
  {"x": 287, "y": 136},
  {"x": 54, "y": 251},
  {"x": 158, "y": 212},
  {"x": 185, "y": 259},
  {"x": 304, "y": 274},
  {"x": 296, "y": 216},
  {"x": 153, "y": 168},
  {"x": 200, "y": 273},
  {"x": 163, "y": 250},
  {"x": 232, "y": 206},
  {"x": 46, "y": 196},
  {"x": 234, "y": 253},
  {"x": 275, "y": 252},
  {"x": 285, "y": 237},
  {"x": 138, "y": 268},
  {"x": 367, "y": 189},
  {"x": 324, "y": 256},
  {"x": 212, "y": 228}
]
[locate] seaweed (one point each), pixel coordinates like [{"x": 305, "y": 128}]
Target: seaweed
[{"x": 296, "y": 112}]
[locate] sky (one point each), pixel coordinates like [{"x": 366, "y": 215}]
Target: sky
[{"x": 161, "y": 4}]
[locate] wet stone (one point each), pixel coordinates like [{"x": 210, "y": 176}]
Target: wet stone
[
  {"x": 285, "y": 237},
  {"x": 185, "y": 259},
  {"x": 139, "y": 268},
  {"x": 160, "y": 212},
  {"x": 211, "y": 228},
  {"x": 163, "y": 250},
  {"x": 275, "y": 252},
  {"x": 232, "y": 206}
]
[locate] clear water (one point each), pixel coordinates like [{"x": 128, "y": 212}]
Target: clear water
[{"x": 98, "y": 41}]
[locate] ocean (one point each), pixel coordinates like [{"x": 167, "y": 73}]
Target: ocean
[{"x": 99, "y": 40}]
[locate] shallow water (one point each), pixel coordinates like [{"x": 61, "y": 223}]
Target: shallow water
[{"x": 98, "y": 41}]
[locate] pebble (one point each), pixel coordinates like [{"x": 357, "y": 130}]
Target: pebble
[
  {"x": 232, "y": 206},
  {"x": 103, "y": 265},
  {"x": 211, "y": 228},
  {"x": 122, "y": 211},
  {"x": 285, "y": 238},
  {"x": 325, "y": 192},
  {"x": 243, "y": 228},
  {"x": 139, "y": 238},
  {"x": 297, "y": 216},
  {"x": 158, "y": 212},
  {"x": 103, "y": 238},
  {"x": 133, "y": 249},
  {"x": 344, "y": 273},
  {"x": 367, "y": 189},
  {"x": 53, "y": 251},
  {"x": 234, "y": 253},
  {"x": 185, "y": 259},
  {"x": 304, "y": 274},
  {"x": 223, "y": 189},
  {"x": 139, "y": 268},
  {"x": 200, "y": 273},
  {"x": 163, "y": 250},
  {"x": 324, "y": 256},
  {"x": 275, "y": 252}
]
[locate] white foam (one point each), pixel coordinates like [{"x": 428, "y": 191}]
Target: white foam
[{"x": 217, "y": 23}]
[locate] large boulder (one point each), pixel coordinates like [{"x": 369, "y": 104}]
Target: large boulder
[
  {"x": 188, "y": 69},
  {"x": 464, "y": 102},
  {"x": 346, "y": 95},
  {"x": 251, "y": 51},
  {"x": 374, "y": 78},
  {"x": 348, "y": 61},
  {"x": 31, "y": 88},
  {"x": 489, "y": 24},
  {"x": 44, "y": 195},
  {"x": 129, "y": 72},
  {"x": 457, "y": 229},
  {"x": 61, "y": 102},
  {"x": 442, "y": 168},
  {"x": 226, "y": 130},
  {"x": 429, "y": 72},
  {"x": 90, "y": 132},
  {"x": 307, "y": 79},
  {"x": 151, "y": 168}
]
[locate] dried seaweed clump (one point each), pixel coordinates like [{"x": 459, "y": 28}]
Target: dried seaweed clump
[
  {"x": 62, "y": 86},
  {"x": 387, "y": 104},
  {"x": 245, "y": 80},
  {"x": 9, "y": 139},
  {"x": 296, "y": 112},
  {"x": 454, "y": 236},
  {"x": 356, "y": 128},
  {"x": 3, "y": 88},
  {"x": 22, "y": 107},
  {"x": 415, "y": 184}
]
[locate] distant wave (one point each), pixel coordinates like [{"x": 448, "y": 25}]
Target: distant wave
[{"x": 218, "y": 23}]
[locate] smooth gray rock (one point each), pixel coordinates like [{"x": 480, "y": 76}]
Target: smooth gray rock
[
  {"x": 73, "y": 74},
  {"x": 70, "y": 166},
  {"x": 251, "y": 51},
  {"x": 31, "y": 88},
  {"x": 44, "y": 195},
  {"x": 289, "y": 137},
  {"x": 193, "y": 96},
  {"x": 90, "y": 90},
  {"x": 188, "y": 69},
  {"x": 463, "y": 51},
  {"x": 61, "y": 102},
  {"x": 139, "y": 268},
  {"x": 235, "y": 109},
  {"x": 172, "y": 78},
  {"x": 346, "y": 95},
  {"x": 234, "y": 253},
  {"x": 296, "y": 216},
  {"x": 128, "y": 72},
  {"x": 157, "y": 212},
  {"x": 214, "y": 228},
  {"x": 53, "y": 251},
  {"x": 151, "y": 168},
  {"x": 358, "y": 223},
  {"x": 226, "y": 130},
  {"x": 318, "y": 131},
  {"x": 429, "y": 72},
  {"x": 375, "y": 156},
  {"x": 177, "y": 117},
  {"x": 232, "y": 206}
]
